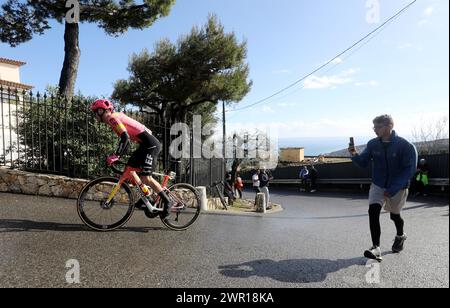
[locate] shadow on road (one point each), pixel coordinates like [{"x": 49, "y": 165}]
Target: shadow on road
[
  {"x": 294, "y": 270},
  {"x": 18, "y": 225}
]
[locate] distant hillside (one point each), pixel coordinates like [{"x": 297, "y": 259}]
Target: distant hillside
[
  {"x": 433, "y": 147},
  {"x": 344, "y": 152},
  {"x": 429, "y": 147}
]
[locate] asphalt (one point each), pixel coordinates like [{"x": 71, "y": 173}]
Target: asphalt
[{"x": 316, "y": 241}]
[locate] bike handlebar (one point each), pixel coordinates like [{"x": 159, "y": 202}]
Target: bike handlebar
[{"x": 114, "y": 168}]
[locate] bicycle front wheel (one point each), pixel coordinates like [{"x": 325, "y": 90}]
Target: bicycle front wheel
[
  {"x": 186, "y": 207},
  {"x": 97, "y": 213}
]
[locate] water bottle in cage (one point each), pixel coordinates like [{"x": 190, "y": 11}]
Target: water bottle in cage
[
  {"x": 145, "y": 190},
  {"x": 145, "y": 193}
]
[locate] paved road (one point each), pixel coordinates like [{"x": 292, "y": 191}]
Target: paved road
[{"x": 317, "y": 241}]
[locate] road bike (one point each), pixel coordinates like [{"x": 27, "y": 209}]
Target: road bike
[
  {"x": 219, "y": 188},
  {"x": 107, "y": 203}
]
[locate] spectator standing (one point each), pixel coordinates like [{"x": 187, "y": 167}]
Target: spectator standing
[
  {"x": 421, "y": 179},
  {"x": 394, "y": 162},
  {"x": 256, "y": 183},
  {"x": 313, "y": 173},
  {"x": 264, "y": 180},
  {"x": 238, "y": 185},
  {"x": 303, "y": 175}
]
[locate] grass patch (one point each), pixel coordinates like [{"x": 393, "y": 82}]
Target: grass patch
[{"x": 243, "y": 204}]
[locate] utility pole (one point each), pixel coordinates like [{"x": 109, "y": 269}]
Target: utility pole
[
  {"x": 224, "y": 139},
  {"x": 234, "y": 146}
]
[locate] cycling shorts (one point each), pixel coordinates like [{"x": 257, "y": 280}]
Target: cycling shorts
[{"x": 146, "y": 156}]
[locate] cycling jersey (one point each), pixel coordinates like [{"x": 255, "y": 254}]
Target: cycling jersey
[
  {"x": 121, "y": 123},
  {"x": 146, "y": 156}
]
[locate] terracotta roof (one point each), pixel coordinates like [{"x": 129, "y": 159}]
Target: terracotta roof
[
  {"x": 14, "y": 85},
  {"x": 12, "y": 62}
]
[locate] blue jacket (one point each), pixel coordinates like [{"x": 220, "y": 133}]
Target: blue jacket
[{"x": 394, "y": 163}]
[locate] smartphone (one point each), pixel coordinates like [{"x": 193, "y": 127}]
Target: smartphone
[{"x": 352, "y": 142}]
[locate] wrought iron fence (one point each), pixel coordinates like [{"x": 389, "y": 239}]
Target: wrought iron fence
[
  {"x": 49, "y": 134},
  {"x": 204, "y": 172}
]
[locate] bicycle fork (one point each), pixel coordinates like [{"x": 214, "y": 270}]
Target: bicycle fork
[{"x": 114, "y": 192}]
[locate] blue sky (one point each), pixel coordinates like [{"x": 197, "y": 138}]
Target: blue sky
[{"x": 402, "y": 71}]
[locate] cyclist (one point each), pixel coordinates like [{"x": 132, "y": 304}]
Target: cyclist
[{"x": 145, "y": 157}]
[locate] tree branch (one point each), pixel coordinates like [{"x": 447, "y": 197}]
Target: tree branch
[{"x": 201, "y": 101}]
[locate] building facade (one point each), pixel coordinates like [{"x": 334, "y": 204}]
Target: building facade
[
  {"x": 11, "y": 97},
  {"x": 292, "y": 155}
]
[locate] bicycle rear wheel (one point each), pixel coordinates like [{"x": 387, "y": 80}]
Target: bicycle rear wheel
[
  {"x": 186, "y": 208},
  {"x": 99, "y": 215}
]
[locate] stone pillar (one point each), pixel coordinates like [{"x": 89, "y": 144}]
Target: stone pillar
[
  {"x": 260, "y": 203},
  {"x": 203, "y": 200}
]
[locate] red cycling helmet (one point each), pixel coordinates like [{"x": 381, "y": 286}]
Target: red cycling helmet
[{"x": 102, "y": 103}]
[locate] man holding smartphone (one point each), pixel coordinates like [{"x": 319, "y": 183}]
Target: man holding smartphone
[{"x": 394, "y": 161}]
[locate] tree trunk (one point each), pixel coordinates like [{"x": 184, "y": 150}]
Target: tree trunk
[{"x": 71, "y": 60}]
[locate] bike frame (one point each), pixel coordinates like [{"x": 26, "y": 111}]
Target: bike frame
[{"x": 128, "y": 177}]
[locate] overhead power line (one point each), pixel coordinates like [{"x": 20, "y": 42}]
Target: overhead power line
[{"x": 331, "y": 60}]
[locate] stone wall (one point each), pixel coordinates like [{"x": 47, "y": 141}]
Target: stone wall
[{"x": 39, "y": 184}]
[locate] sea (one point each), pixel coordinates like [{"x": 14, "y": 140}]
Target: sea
[{"x": 321, "y": 145}]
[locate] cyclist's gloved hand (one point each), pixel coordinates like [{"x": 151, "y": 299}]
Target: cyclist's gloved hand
[{"x": 112, "y": 159}]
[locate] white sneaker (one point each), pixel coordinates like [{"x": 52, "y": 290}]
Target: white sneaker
[{"x": 373, "y": 253}]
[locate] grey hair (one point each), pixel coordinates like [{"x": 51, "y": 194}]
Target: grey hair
[{"x": 385, "y": 119}]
